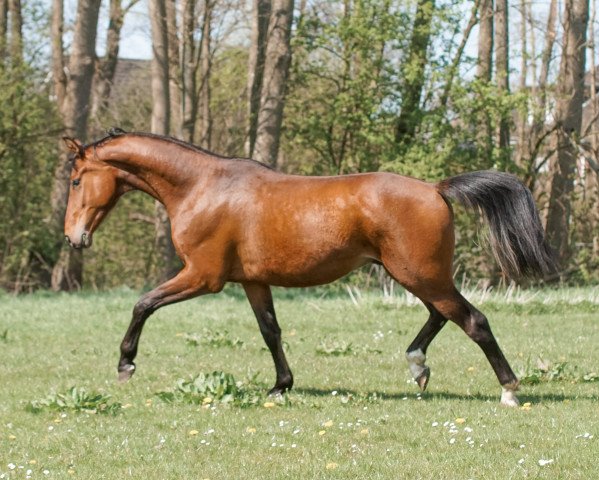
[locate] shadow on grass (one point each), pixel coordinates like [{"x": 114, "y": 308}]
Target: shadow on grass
[{"x": 477, "y": 397}]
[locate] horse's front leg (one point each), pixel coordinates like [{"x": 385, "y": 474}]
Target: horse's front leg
[
  {"x": 260, "y": 299},
  {"x": 186, "y": 284}
]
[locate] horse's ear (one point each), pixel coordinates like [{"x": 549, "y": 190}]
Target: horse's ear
[
  {"x": 115, "y": 132},
  {"x": 73, "y": 145}
]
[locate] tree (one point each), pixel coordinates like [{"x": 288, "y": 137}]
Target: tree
[
  {"x": 161, "y": 126},
  {"x": 16, "y": 30},
  {"x": 67, "y": 272},
  {"x": 412, "y": 73},
  {"x": 3, "y": 26},
  {"x": 570, "y": 97},
  {"x": 260, "y": 16},
  {"x": 502, "y": 69},
  {"x": 277, "y": 59},
  {"x": 205, "y": 72},
  {"x": 106, "y": 67}
]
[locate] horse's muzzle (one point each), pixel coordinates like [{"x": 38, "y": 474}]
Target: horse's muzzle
[{"x": 86, "y": 241}]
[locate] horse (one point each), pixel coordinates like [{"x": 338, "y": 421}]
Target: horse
[{"x": 237, "y": 220}]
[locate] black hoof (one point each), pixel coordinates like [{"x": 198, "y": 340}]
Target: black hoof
[{"x": 423, "y": 379}]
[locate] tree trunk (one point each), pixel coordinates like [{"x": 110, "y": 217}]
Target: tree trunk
[
  {"x": 484, "y": 70},
  {"x": 3, "y": 26},
  {"x": 570, "y": 97},
  {"x": 260, "y": 19},
  {"x": 502, "y": 69},
  {"x": 58, "y": 71},
  {"x": 16, "y": 31},
  {"x": 160, "y": 125},
  {"x": 189, "y": 64},
  {"x": 412, "y": 73},
  {"x": 277, "y": 60},
  {"x": 484, "y": 65},
  {"x": 175, "y": 67},
  {"x": 205, "y": 68},
  {"x": 67, "y": 273}
]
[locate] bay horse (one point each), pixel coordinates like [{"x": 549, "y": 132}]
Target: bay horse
[{"x": 236, "y": 220}]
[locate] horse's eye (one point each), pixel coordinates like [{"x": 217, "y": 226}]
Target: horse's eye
[{"x": 76, "y": 182}]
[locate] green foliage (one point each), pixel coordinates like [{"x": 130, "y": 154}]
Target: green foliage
[
  {"x": 215, "y": 387},
  {"x": 336, "y": 347},
  {"x": 545, "y": 371},
  {"x": 76, "y": 399},
  {"x": 28, "y": 149},
  {"x": 213, "y": 339}
]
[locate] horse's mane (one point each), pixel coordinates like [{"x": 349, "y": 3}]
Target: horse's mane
[{"x": 118, "y": 132}]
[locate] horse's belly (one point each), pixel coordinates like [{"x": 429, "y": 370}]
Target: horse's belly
[{"x": 289, "y": 270}]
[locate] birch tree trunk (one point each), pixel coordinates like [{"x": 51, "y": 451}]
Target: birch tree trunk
[
  {"x": 67, "y": 273},
  {"x": 277, "y": 60},
  {"x": 570, "y": 97},
  {"x": 160, "y": 125}
]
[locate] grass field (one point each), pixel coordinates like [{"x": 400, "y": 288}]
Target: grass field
[{"x": 354, "y": 411}]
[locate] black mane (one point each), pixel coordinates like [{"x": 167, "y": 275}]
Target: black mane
[{"x": 118, "y": 132}]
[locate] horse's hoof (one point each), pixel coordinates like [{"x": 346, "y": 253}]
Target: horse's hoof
[
  {"x": 423, "y": 378},
  {"x": 276, "y": 392},
  {"x": 508, "y": 398},
  {"x": 126, "y": 372}
]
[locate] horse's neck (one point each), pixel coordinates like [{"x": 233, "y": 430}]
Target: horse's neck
[{"x": 156, "y": 167}]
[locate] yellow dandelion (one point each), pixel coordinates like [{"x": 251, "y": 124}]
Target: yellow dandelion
[
  {"x": 328, "y": 423},
  {"x": 331, "y": 466},
  {"x": 460, "y": 420},
  {"x": 70, "y": 471},
  {"x": 364, "y": 431},
  {"x": 32, "y": 462},
  {"x": 322, "y": 432},
  {"x": 193, "y": 432},
  {"x": 179, "y": 334},
  {"x": 127, "y": 405},
  {"x": 12, "y": 437},
  {"x": 207, "y": 400},
  {"x": 471, "y": 369},
  {"x": 250, "y": 430},
  {"x": 526, "y": 406},
  {"x": 269, "y": 404}
]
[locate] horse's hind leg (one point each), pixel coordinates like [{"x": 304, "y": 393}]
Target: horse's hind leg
[
  {"x": 416, "y": 353},
  {"x": 457, "y": 309},
  {"x": 261, "y": 302}
]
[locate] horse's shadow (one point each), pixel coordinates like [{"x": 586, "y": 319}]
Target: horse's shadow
[{"x": 444, "y": 395}]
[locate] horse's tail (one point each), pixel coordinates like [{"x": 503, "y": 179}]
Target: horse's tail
[{"x": 516, "y": 236}]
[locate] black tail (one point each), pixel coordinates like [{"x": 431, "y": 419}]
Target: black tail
[{"x": 517, "y": 238}]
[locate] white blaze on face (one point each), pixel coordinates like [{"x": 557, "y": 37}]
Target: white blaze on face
[{"x": 416, "y": 359}]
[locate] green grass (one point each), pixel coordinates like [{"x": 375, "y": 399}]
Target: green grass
[{"x": 354, "y": 411}]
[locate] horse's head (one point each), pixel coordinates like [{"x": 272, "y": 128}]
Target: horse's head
[{"x": 93, "y": 191}]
